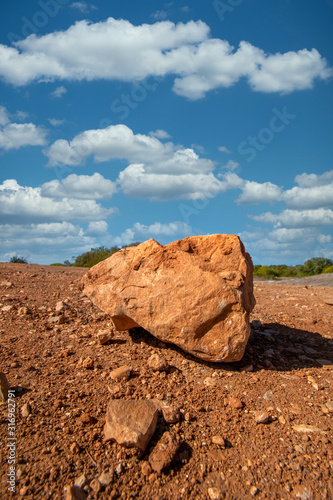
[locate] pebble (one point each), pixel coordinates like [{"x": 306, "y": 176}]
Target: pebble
[
  {"x": 4, "y": 387},
  {"x": 219, "y": 440},
  {"x": 171, "y": 414},
  {"x": 210, "y": 382},
  {"x": 81, "y": 481},
  {"x": 214, "y": 493},
  {"x": 87, "y": 363},
  {"x": 254, "y": 490},
  {"x": 61, "y": 306},
  {"x": 75, "y": 448},
  {"x": 303, "y": 492},
  {"x": 123, "y": 372},
  {"x": 104, "y": 336},
  {"x": 307, "y": 428},
  {"x": 95, "y": 485},
  {"x": 261, "y": 417},
  {"x": 158, "y": 363},
  {"x": 268, "y": 395},
  {"x": 164, "y": 452},
  {"x": 105, "y": 478},
  {"x": 235, "y": 403},
  {"x": 329, "y": 406},
  {"x": 25, "y": 410},
  {"x": 74, "y": 493}
]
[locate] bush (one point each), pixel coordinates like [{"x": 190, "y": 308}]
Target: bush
[
  {"x": 328, "y": 269},
  {"x": 317, "y": 265},
  {"x": 18, "y": 260},
  {"x": 96, "y": 255}
]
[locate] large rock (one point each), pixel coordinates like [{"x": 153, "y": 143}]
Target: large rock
[{"x": 196, "y": 293}]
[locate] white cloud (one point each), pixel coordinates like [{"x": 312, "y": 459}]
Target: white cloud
[
  {"x": 58, "y": 92},
  {"x": 159, "y": 14},
  {"x": 21, "y": 115},
  {"x": 18, "y": 203},
  {"x": 312, "y": 197},
  {"x": 141, "y": 232},
  {"x": 45, "y": 242},
  {"x": 84, "y": 187},
  {"x": 230, "y": 165},
  {"x": 117, "y": 50},
  {"x": 295, "y": 218},
  {"x": 97, "y": 228},
  {"x": 55, "y": 122},
  {"x": 224, "y": 149},
  {"x": 17, "y": 135},
  {"x": 255, "y": 193},
  {"x": 83, "y": 7},
  {"x": 160, "y": 134},
  {"x": 4, "y": 116},
  {"x": 314, "y": 180}
]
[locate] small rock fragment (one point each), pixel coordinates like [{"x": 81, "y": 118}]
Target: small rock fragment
[
  {"x": 61, "y": 306},
  {"x": 131, "y": 423},
  {"x": 75, "y": 448},
  {"x": 103, "y": 337},
  {"x": 25, "y": 410},
  {"x": 268, "y": 395},
  {"x": 75, "y": 493},
  {"x": 87, "y": 363},
  {"x": 214, "y": 493},
  {"x": 4, "y": 387},
  {"x": 95, "y": 485},
  {"x": 307, "y": 428},
  {"x": 164, "y": 452},
  {"x": 105, "y": 478},
  {"x": 329, "y": 406},
  {"x": 158, "y": 363},
  {"x": 303, "y": 492},
  {"x": 81, "y": 481},
  {"x": 171, "y": 414},
  {"x": 261, "y": 417},
  {"x": 235, "y": 403},
  {"x": 210, "y": 382},
  {"x": 254, "y": 490},
  {"x": 123, "y": 372},
  {"x": 219, "y": 440}
]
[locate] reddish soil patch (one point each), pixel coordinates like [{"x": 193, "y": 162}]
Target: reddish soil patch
[{"x": 223, "y": 452}]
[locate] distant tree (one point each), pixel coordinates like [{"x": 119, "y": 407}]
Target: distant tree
[{"x": 18, "y": 260}]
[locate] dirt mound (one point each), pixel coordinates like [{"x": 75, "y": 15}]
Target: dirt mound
[{"x": 59, "y": 372}]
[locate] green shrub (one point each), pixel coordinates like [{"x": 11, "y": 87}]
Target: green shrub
[
  {"x": 18, "y": 260},
  {"x": 328, "y": 269},
  {"x": 96, "y": 255}
]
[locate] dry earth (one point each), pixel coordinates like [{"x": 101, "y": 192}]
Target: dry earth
[{"x": 285, "y": 379}]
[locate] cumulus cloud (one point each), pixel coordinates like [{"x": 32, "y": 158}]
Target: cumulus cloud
[
  {"x": 18, "y": 135},
  {"x": 231, "y": 165},
  {"x": 295, "y": 218},
  {"x": 117, "y": 50},
  {"x": 256, "y": 193},
  {"x": 97, "y": 228},
  {"x": 140, "y": 232},
  {"x": 19, "y": 203},
  {"x": 85, "y": 187},
  {"x": 224, "y": 149},
  {"x": 59, "y": 92},
  {"x": 44, "y": 242}
]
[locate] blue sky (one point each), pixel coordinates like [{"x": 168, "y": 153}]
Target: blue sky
[{"x": 122, "y": 121}]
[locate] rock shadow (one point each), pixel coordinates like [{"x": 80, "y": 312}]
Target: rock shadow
[{"x": 271, "y": 346}]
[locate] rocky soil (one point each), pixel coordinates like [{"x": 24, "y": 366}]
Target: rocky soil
[{"x": 260, "y": 428}]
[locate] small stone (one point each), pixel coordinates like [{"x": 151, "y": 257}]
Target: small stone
[
  {"x": 95, "y": 485},
  {"x": 87, "y": 363},
  {"x": 25, "y": 410},
  {"x": 158, "y": 363},
  {"x": 329, "y": 406},
  {"x": 24, "y": 491},
  {"x": 75, "y": 448},
  {"x": 146, "y": 469},
  {"x": 307, "y": 428},
  {"x": 254, "y": 490},
  {"x": 105, "y": 478},
  {"x": 188, "y": 417},
  {"x": 131, "y": 423},
  {"x": 261, "y": 417},
  {"x": 171, "y": 414},
  {"x": 85, "y": 419},
  {"x": 282, "y": 420},
  {"x": 119, "y": 469},
  {"x": 61, "y": 306},
  {"x": 268, "y": 395},
  {"x": 214, "y": 493},
  {"x": 74, "y": 493},
  {"x": 235, "y": 403},
  {"x": 164, "y": 452},
  {"x": 103, "y": 337},
  {"x": 303, "y": 492},
  {"x": 123, "y": 372},
  {"x": 81, "y": 481},
  {"x": 210, "y": 382},
  {"x": 4, "y": 387},
  {"x": 219, "y": 440}
]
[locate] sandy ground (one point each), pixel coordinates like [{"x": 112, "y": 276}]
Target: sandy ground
[{"x": 286, "y": 374}]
